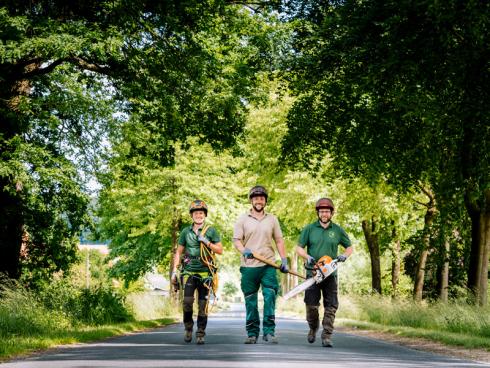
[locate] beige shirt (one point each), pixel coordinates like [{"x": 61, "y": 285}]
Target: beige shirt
[{"x": 257, "y": 235}]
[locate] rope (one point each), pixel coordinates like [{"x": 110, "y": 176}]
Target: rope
[{"x": 209, "y": 259}]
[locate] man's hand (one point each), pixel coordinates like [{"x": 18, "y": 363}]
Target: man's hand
[
  {"x": 173, "y": 278},
  {"x": 204, "y": 240},
  {"x": 310, "y": 261},
  {"x": 284, "y": 265},
  {"x": 341, "y": 258},
  {"x": 247, "y": 253}
]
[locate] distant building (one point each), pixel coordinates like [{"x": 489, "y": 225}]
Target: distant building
[{"x": 102, "y": 248}]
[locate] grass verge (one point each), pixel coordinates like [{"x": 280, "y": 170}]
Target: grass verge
[
  {"x": 456, "y": 323},
  {"x": 13, "y": 346},
  {"x": 448, "y": 338}
]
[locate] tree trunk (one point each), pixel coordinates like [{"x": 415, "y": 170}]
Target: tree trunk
[
  {"x": 480, "y": 243},
  {"x": 13, "y": 86},
  {"x": 372, "y": 240},
  {"x": 11, "y": 225},
  {"x": 474, "y": 267},
  {"x": 395, "y": 261},
  {"x": 428, "y": 220},
  {"x": 485, "y": 244},
  {"x": 444, "y": 281},
  {"x": 294, "y": 267}
]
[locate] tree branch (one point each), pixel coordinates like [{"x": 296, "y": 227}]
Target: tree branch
[{"x": 75, "y": 60}]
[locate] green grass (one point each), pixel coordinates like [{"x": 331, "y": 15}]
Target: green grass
[
  {"x": 455, "y": 323},
  {"x": 34, "y": 320},
  {"x": 449, "y": 338},
  {"x": 15, "y": 345}
]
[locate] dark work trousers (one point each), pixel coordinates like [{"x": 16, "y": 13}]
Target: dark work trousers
[
  {"x": 191, "y": 283},
  {"x": 328, "y": 288}
]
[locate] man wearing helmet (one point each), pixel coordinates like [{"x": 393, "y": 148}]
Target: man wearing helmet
[
  {"x": 196, "y": 272},
  {"x": 253, "y": 233},
  {"x": 322, "y": 238}
]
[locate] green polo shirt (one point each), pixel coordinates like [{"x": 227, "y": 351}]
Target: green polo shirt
[
  {"x": 191, "y": 260},
  {"x": 320, "y": 242}
]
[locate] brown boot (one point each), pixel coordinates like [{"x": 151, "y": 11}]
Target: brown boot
[
  {"x": 188, "y": 336},
  {"x": 312, "y": 336},
  {"x": 328, "y": 320},
  {"x": 313, "y": 321},
  {"x": 251, "y": 340},
  {"x": 326, "y": 342}
]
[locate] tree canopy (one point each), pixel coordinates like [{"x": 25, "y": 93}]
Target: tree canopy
[
  {"x": 397, "y": 90},
  {"x": 74, "y": 77}
]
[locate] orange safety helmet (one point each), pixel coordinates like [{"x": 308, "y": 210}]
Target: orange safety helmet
[{"x": 198, "y": 205}]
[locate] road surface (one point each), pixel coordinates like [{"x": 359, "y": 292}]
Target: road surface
[{"x": 164, "y": 347}]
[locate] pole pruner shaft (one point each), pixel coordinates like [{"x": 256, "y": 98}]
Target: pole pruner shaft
[{"x": 270, "y": 263}]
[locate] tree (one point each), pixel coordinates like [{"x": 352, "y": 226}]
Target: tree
[
  {"x": 400, "y": 91},
  {"x": 142, "y": 214},
  {"x": 177, "y": 68}
]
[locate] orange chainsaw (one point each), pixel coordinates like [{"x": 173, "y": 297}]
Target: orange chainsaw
[{"x": 323, "y": 268}]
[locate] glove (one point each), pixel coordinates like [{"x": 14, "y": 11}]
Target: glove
[
  {"x": 341, "y": 258},
  {"x": 204, "y": 240},
  {"x": 247, "y": 253},
  {"x": 173, "y": 278},
  {"x": 284, "y": 265},
  {"x": 310, "y": 261}
]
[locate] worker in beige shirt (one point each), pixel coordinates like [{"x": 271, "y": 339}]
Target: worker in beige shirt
[{"x": 255, "y": 232}]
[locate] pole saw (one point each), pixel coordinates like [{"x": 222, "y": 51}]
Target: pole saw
[
  {"x": 270, "y": 263},
  {"x": 323, "y": 268}
]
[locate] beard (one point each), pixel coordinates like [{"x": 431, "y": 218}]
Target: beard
[{"x": 326, "y": 221}]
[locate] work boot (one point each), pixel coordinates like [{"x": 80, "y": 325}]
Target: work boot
[
  {"x": 251, "y": 340},
  {"x": 188, "y": 336},
  {"x": 200, "y": 340},
  {"x": 313, "y": 320},
  {"x": 326, "y": 342},
  {"x": 312, "y": 335},
  {"x": 270, "y": 338}
]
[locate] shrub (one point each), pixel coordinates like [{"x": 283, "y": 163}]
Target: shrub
[
  {"x": 95, "y": 306},
  {"x": 103, "y": 305},
  {"x": 21, "y": 313}
]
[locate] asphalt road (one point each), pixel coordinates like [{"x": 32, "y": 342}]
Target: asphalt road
[{"x": 164, "y": 347}]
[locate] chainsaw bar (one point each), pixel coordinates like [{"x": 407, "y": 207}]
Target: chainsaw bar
[
  {"x": 298, "y": 289},
  {"x": 324, "y": 268}
]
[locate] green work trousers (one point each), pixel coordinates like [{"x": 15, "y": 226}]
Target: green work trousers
[{"x": 252, "y": 279}]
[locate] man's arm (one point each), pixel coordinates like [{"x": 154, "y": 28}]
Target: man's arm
[
  {"x": 216, "y": 247},
  {"x": 238, "y": 245},
  {"x": 281, "y": 248},
  {"x": 300, "y": 251},
  {"x": 348, "y": 251}
]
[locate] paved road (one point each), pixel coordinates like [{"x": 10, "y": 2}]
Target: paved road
[{"x": 164, "y": 347}]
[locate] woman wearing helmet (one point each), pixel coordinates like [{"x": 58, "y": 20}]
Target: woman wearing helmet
[{"x": 196, "y": 272}]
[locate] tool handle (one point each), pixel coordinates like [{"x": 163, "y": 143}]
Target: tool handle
[{"x": 273, "y": 264}]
